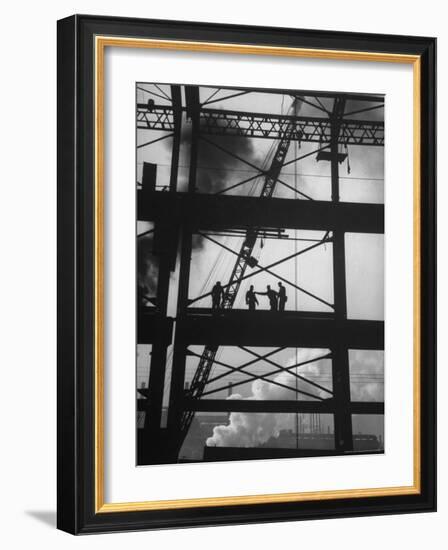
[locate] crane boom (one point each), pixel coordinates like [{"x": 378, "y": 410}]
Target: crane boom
[{"x": 244, "y": 260}]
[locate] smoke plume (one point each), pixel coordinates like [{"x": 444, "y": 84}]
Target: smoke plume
[
  {"x": 254, "y": 429},
  {"x": 215, "y": 166},
  {"x": 147, "y": 265},
  {"x": 214, "y": 173}
]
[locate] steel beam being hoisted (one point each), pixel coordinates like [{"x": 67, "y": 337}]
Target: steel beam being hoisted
[{"x": 244, "y": 260}]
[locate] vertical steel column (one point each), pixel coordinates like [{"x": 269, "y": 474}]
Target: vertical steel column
[
  {"x": 159, "y": 351},
  {"x": 163, "y": 245},
  {"x": 180, "y": 346},
  {"x": 177, "y": 118},
  {"x": 193, "y": 113},
  {"x": 154, "y": 403},
  {"x": 175, "y": 408},
  {"x": 340, "y": 363}
]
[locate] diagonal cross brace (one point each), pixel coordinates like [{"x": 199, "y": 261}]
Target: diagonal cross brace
[
  {"x": 251, "y": 376},
  {"x": 268, "y": 270},
  {"x": 287, "y": 369}
]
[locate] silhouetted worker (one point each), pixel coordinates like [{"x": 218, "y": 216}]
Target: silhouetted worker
[
  {"x": 272, "y": 296},
  {"x": 217, "y": 295},
  {"x": 282, "y": 298},
  {"x": 251, "y": 298}
]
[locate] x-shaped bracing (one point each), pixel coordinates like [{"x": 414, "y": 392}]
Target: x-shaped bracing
[
  {"x": 265, "y": 377},
  {"x": 267, "y": 269},
  {"x": 261, "y": 171}
]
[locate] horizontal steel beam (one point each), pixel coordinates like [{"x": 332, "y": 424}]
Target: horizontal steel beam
[
  {"x": 215, "y": 454},
  {"x": 266, "y": 328},
  {"x": 259, "y": 406},
  {"x": 264, "y": 125},
  {"x": 302, "y": 314},
  {"x": 203, "y": 211},
  {"x": 153, "y": 327},
  {"x": 307, "y": 94}
]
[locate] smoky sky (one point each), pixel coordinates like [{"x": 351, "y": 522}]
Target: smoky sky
[
  {"x": 253, "y": 429},
  {"x": 214, "y": 166},
  {"x": 147, "y": 265}
]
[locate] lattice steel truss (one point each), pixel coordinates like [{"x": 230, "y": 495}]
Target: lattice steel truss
[
  {"x": 195, "y": 211},
  {"x": 255, "y": 125}
]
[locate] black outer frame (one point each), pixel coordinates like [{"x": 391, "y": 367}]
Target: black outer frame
[{"x": 75, "y": 474}]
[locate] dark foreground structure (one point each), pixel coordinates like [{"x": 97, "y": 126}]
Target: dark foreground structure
[{"x": 178, "y": 216}]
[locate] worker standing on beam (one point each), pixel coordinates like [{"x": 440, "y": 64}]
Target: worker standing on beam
[
  {"x": 217, "y": 296},
  {"x": 272, "y": 297},
  {"x": 282, "y": 298},
  {"x": 251, "y": 298}
]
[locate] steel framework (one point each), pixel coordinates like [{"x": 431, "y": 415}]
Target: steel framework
[
  {"x": 267, "y": 126},
  {"x": 192, "y": 213},
  {"x": 244, "y": 259}
]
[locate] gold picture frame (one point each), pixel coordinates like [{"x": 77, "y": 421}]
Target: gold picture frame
[{"x": 96, "y": 35}]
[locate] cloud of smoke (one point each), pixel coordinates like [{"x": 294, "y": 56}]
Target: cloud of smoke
[
  {"x": 254, "y": 429},
  {"x": 215, "y": 166},
  {"x": 214, "y": 173},
  {"x": 147, "y": 265}
]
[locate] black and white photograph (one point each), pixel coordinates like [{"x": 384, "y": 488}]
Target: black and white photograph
[
  {"x": 228, "y": 214},
  {"x": 260, "y": 273}
]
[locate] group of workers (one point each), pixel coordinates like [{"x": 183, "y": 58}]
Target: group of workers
[{"x": 277, "y": 299}]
